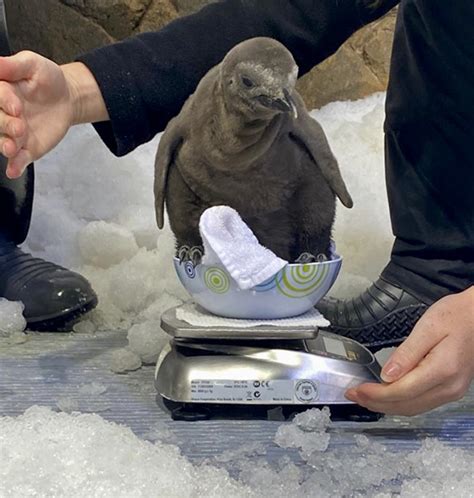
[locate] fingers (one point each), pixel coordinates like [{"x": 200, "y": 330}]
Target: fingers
[
  {"x": 10, "y": 103},
  {"x": 12, "y": 135},
  {"x": 429, "y": 400},
  {"x": 414, "y": 384},
  {"x": 428, "y": 374},
  {"x": 435, "y": 381},
  {"x": 17, "y": 165},
  {"x": 423, "y": 338},
  {"x": 19, "y": 66},
  {"x": 8, "y": 147},
  {"x": 11, "y": 127}
]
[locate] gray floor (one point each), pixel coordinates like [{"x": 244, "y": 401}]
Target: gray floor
[{"x": 50, "y": 368}]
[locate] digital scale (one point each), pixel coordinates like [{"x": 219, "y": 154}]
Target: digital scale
[{"x": 206, "y": 369}]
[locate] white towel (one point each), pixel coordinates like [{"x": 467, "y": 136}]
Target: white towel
[
  {"x": 197, "y": 316},
  {"x": 229, "y": 241}
]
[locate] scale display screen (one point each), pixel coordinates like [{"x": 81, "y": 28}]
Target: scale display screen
[{"x": 335, "y": 346}]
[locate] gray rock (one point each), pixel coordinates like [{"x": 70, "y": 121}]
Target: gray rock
[
  {"x": 185, "y": 7},
  {"x": 118, "y": 17},
  {"x": 62, "y": 29},
  {"x": 52, "y": 29}
]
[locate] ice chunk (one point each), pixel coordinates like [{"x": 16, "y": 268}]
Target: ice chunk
[
  {"x": 128, "y": 289},
  {"x": 307, "y": 432},
  {"x": 313, "y": 419},
  {"x": 67, "y": 404},
  {"x": 84, "y": 327},
  {"x": 245, "y": 451},
  {"x": 163, "y": 303},
  {"x": 106, "y": 244},
  {"x": 17, "y": 338},
  {"x": 140, "y": 220},
  {"x": 146, "y": 340},
  {"x": 124, "y": 360},
  {"x": 291, "y": 436},
  {"x": 11, "y": 317},
  {"x": 92, "y": 389},
  {"x": 160, "y": 432}
]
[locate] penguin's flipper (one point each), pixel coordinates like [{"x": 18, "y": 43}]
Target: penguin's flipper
[
  {"x": 167, "y": 150},
  {"x": 309, "y": 134}
]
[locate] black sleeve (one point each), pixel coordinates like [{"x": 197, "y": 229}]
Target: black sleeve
[{"x": 146, "y": 79}]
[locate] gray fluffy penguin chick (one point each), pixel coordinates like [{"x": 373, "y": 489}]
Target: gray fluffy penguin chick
[{"x": 245, "y": 139}]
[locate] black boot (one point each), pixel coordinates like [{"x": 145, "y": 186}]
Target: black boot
[
  {"x": 382, "y": 316},
  {"x": 53, "y": 296}
]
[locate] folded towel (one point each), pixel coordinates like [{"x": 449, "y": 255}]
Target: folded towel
[
  {"x": 199, "y": 317},
  {"x": 229, "y": 241}
]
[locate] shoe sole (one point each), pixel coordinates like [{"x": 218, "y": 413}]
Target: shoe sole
[
  {"x": 389, "y": 331},
  {"x": 63, "y": 322}
]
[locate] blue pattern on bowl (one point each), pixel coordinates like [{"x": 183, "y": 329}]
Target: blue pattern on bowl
[{"x": 294, "y": 290}]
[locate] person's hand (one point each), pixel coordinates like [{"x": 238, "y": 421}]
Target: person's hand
[
  {"x": 434, "y": 366},
  {"x": 39, "y": 101},
  {"x": 35, "y": 108}
]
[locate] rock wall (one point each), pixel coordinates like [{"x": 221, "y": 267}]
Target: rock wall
[{"x": 61, "y": 29}]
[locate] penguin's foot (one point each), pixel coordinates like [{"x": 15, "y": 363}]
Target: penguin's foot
[
  {"x": 192, "y": 254},
  {"x": 307, "y": 257},
  {"x": 183, "y": 254},
  {"x": 54, "y": 297},
  {"x": 382, "y": 316}
]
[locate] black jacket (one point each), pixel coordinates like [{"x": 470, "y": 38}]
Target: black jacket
[{"x": 146, "y": 79}]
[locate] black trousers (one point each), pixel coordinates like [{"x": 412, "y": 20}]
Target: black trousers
[
  {"x": 429, "y": 148},
  {"x": 16, "y": 196}
]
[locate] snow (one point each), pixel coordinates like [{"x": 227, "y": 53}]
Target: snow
[
  {"x": 106, "y": 244},
  {"x": 92, "y": 389},
  {"x": 308, "y": 432},
  {"x": 11, "y": 317},
  {"x": 124, "y": 360},
  {"x": 147, "y": 340},
  {"x": 363, "y": 234},
  {"x": 44, "y": 453}
]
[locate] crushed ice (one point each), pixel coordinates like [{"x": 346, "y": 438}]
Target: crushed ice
[
  {"x": 11, "y": 318},
  {"x": 44, "y": 453}
]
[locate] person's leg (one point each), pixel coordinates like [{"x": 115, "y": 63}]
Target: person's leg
[
  {"x": 53, "y": 296},
  {"x": 430, "y": 174}
]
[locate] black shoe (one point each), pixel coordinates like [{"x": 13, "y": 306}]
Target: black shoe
[
  {"x": 54, "y": 297},
  {"x": 382, "y": 316}
]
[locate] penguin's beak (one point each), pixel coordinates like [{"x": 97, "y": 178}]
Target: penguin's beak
[
  {"x": 283, "y": 104},
  {"x": 289, "y": 101}
]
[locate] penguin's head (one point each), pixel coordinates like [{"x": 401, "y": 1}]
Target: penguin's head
[{"x": 258, "y": 77}]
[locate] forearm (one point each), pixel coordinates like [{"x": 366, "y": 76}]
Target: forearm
[{"x": 146, "y": 79}]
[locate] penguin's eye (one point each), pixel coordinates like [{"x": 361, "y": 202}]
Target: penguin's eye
[{"x": 247, "y": 82}]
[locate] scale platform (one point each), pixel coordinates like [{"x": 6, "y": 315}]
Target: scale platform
[{"x": 263, "y": 366}]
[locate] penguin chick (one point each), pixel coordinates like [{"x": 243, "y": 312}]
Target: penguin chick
[{"x": 245, "y": 139}]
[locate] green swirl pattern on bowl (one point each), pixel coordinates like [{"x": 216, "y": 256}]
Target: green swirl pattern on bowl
[
  {"x": 217, "y": 280},
  {"x": 302, "y": 280}
]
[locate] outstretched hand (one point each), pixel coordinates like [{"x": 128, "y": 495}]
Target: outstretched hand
[
  {"x": 39, "y": 102},
  {"x": 35, "y": 108},
  {"x": 434, "y": 366}
]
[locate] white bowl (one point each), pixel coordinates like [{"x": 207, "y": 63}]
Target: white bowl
[{"x": 294, "y": 290}]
